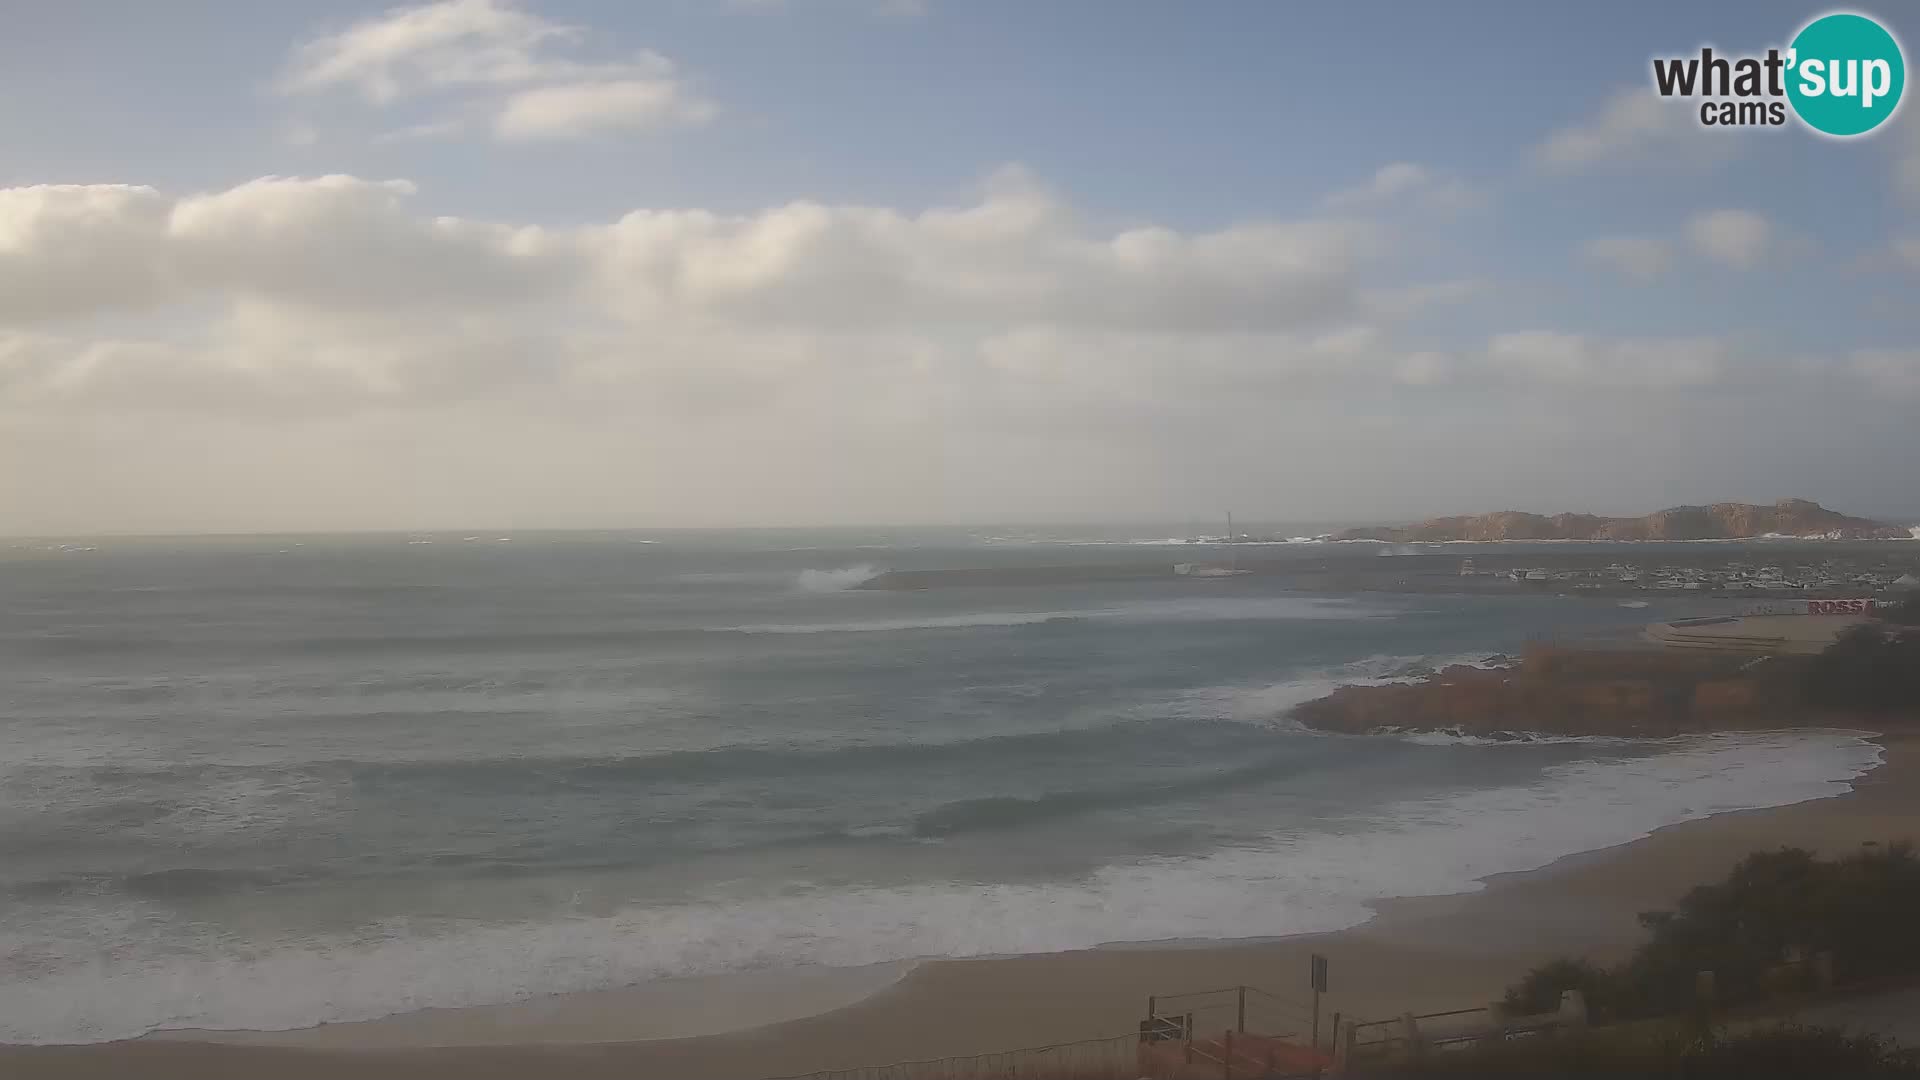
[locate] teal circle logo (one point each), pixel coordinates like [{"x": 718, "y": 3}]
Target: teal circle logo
[{"x": 1845, "y": 74}]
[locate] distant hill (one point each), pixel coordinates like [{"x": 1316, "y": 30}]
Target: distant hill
[{"x": 1720, "y": 521}]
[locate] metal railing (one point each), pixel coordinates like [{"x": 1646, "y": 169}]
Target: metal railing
[{"x": 1377, "y": 1040}]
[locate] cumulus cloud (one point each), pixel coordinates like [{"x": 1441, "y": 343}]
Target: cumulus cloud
[
  {"x": 1406, "y": 183},
  {"x": 67, "y": 249},
  {"x": 1641, "y": 258},
  {"x": 1895, "y": 371},
  {"x": 1633, "y": 127},
  {"x": 1577, "y": 360},
  {"x": 346, "y": 278},
  {"x": 1393, "y": 303},
  {"x": 890, "y": 9},
  {"x": 1020, "y": 255},
  {"x": 490, "y": 58},
  {"x": 571, "y": 110},
  {"x": 315, "y": 293},
  {"x": 976, "y": 358},
  {"x": 1735, "y": 238},
  {"x": 331, "y": 242}
]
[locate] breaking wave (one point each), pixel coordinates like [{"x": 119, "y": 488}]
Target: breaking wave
[
  {"x": 1296, "y": 882},
  {"x": 840, "y": 580}
]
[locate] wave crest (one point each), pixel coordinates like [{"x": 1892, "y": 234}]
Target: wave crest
[{"x": 837, "y": 580}]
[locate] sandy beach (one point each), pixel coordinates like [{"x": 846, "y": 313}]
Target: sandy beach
[{"x": 1416, "y": 954}]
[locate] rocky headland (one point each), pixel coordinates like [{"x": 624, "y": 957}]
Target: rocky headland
[
  {"x": 1556, "y": 690},
  {"x": 1719, "y": 521}
]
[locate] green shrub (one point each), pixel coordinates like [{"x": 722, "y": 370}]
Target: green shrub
[
  {"x": 1812, "y": 1053},
  {"x": 1873, "y": 667},
  {"x": 1861, "y": 908},
  {"x": 1781, "y": 1053},
  {"x": 1539, "y": 991}
]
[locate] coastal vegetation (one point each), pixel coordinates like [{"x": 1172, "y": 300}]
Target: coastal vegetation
[
  {"x": 1758, "y": 931},
  {"x": 1872, "y": 668},
  {"x": 1666, "y": 1053}
]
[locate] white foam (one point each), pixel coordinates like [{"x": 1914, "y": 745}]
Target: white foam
[
  {"x": 836, "y": 580},
  {"x": 1248, "y": 608},
  {"x": 1303, "y": 882},
  {"x": 1456, "y": 737},
  {"x": 1184, "y": 609},
  {"x": 1271, "y": 701},
  {"x": 922, "y": 622}
]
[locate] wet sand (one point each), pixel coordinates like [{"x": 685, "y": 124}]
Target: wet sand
[{"x": 1420, "y": 954}]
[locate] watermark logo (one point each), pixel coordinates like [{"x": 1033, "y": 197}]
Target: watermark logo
[{"x": 1842, "y": 75}]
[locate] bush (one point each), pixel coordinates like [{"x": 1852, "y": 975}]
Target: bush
[
  {"x": 1861, "y": 908},
  {"x": 1782, "y": 1053},
  {"x": 1813, "y": 1053},
  {"x": 1873, "y": 667},
  {"x": 1539, "y": 992}
]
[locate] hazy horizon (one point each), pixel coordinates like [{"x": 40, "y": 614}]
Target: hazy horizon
[
  {"x": 1134, "y": 528},
  {"x": 753, "y": 263}
]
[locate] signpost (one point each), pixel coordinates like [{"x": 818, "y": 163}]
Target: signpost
[{"x": 1318, "y": 977}]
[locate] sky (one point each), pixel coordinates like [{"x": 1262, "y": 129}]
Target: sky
[{"x": 698, "y": 263}]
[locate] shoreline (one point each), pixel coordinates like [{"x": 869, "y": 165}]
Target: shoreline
[{"x": 1414, "y": 953}]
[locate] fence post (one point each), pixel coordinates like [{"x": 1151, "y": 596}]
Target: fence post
[
  {"x": 1240, "y": 1012},
  {"x": 1496, "y": 1024},
  {"x": 1823, "y": 970},
  {"x": 1152, "y": 1003},
  {"x": 1573, "y": 1008},
  {"x": 1412, "y": 1032},
  {"x": 1226, "y": 1056}
]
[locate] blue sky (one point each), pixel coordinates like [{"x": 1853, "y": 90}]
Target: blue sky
[{"x": 1769, "y": 269}]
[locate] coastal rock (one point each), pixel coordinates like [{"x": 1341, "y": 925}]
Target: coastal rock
[{"x": 1555, "y": 690}]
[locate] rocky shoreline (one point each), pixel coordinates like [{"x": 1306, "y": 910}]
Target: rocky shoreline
[{"x": 1561, "y": 691}]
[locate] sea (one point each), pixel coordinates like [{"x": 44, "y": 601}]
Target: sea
[{"x": 273, "y": 782}]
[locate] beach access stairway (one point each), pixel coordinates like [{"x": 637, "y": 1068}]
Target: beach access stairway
[{"x": 1232, "y": 1033}]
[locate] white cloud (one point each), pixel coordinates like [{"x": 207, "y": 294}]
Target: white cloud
[
  {"x": 1633, "y": 127},
  {"x": 890, "y": 9},
  {"x": 432, "y": 129},
  {"x": 1021, "y": 255},
  {"x": 571, "y": 110},
  {"x": 408, "y": 50},
  {"x": 1642, "y": 258},
  {"x": 317, "y": 293},
  {"x": 337, "y": 282},
  {"x": 1424, "y": 369},
  {"x": 1404, "y": 182},
  {"x": 1895, "y": 371},
  {"x": 1576, "y": 360},
  {"x": 331, "y": 242},
  {"x": 374, "y": 363},
  {"x": 67, "y": 249},
  {"x": 1405, "y": 301},
  {"x": 1735, "y": 238},
  {"x": 495, "y": 60}
]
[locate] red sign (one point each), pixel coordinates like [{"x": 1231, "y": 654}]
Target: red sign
[{"x": 1839, "y": 607}]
